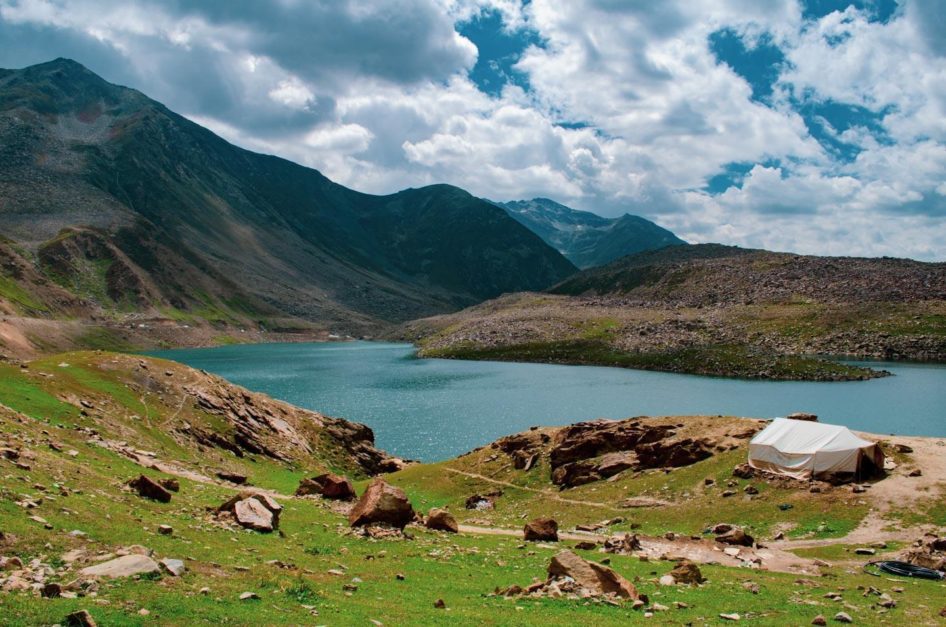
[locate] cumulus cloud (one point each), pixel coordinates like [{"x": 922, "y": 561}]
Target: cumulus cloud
[{"x": 624, "y": 104}]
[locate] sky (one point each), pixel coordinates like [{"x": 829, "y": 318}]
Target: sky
[{"x": 813, "y": 126}]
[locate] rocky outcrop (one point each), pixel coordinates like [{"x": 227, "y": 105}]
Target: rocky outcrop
[
  {"x": 382, "y": 504},
  {"x": 328, "y": 485}
]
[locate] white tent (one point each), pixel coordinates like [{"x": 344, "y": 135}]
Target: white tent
[{"x": 812, "y": 450}]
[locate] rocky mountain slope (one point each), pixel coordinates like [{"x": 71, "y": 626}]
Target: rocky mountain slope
[
  {"x": 713, "y": 310},
  {"x": 112, "y": 204},
  {"x": 585, "y": 238}
]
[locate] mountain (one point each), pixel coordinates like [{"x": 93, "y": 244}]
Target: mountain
[
  {"x": 713, "y": 310},
  {"x": 586, "y": 238},
  {"x": 110, "y": 202}
]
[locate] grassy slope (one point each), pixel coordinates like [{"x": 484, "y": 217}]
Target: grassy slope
[{"x": 459, "y": 569}]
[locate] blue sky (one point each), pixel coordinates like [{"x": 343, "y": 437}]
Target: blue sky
[{"x": 817, "y": 126}]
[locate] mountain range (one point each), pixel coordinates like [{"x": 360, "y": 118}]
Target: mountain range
[
  {"x": 586, "y": 238},
  {"x": 110, "y": 203}
]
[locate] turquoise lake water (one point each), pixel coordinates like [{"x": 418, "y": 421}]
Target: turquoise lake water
[{"x": 432, "y": 409}]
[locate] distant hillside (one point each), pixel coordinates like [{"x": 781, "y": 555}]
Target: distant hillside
[
  {"x": 111, "y": 203},
  {"x": 708, "y": 274},
  {"x": 585, "y": 238}
]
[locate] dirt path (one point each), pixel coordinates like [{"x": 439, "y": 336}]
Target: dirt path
[{"x": 546, "y": 493}]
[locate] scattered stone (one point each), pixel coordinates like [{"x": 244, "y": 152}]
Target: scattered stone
[
  {"x": 750, "y": 489},
  {"x": 596, "y": 578},
  {"x": 124, "y": 566},
  {"x": 483, "y": 501},
  {"x": 440, "y": 605},
  {"x": 328, "y": 485},
  {"x": 819, "y": 620},
  {"x": 232, "y": 477},
  {"x": 165, "y": 530},
  {"x": 915, "y": 473},
  {"x": 247, "y": 596},
  {"x": 864, "y": 551},
  {"x": 586, "y": 546},
  {"x": 751, "y": 586},
  {"x": 541, "y": 530},
  {"x": 80, "y": 618},
  {"x": 728, "y": 493},
  {"x": 743, "y": 471},
  {"x": 150, "y": 489},
  {"x": 903, "y": 448},
  {"x": 442, "y": 520},
  {"x": 732, "y": 617},
  {"x": 667, "y": 580},
  {"x": 382, "y": 503},
  {"x": 843, "y": 617},
  {"x": 173, "y": 566}
]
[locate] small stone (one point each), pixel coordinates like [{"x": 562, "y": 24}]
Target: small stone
[
  {"x": 165, "y": 530},
  {"x": 667, "y": 580},
  {"x": 247, "y": 596},
  {"x": 732, "y": 616},
  {"x": 440, "y": 605},
  {"x": 52, "y": 590},
  {"x": 819, "y": 620},
  {"x": 915, "y": 473},
  {"x": 143, "y": 612},
  {"x": 400, "y": 577},
  {"x": 843, "y": 617},
  {"x": 205, "y": 591},
  {"x": 864, "y": 551}
]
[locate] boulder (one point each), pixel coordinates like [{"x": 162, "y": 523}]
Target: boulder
[
  {"x": 254, "y": 510},
  {"x": 232, "y": 477},
  {"x": 150, "y": 489},
  {"x": 596, "y": 578},
  {"x": 173, "y": 566},
  {"x": 328, "y": 485},
  {"x": 541, "y": 530},
  {"x": 382, "y": 503},
  {"x": 79, "y": 618},
  {"x": 125, "y": 566},
  {"x": 252, "y": 514},
  {"x": 736, "y": 537},
  {"x": 687, "y": 572},
  {"x": 442, "y": 520}
]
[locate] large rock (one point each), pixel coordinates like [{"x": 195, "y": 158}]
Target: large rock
[
  {"x": 541, "y": 530},
  {"x": 125, "y": 566},
  {"x": 596, "y": 578},
  {"x": 252, "y": 514},
  {"x": 382, "y": 503},
  {"x": 736, "y": 537},
  {"x": 687, "y": 572},
  {"x": 329, "y": 485},
  {"x": 149, "y": 488},
  {"x": 254, "y": 510},
  {"x": 442, "y": 520}
]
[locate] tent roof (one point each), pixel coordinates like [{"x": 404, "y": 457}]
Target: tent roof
[{"x": 798, "y": 436}]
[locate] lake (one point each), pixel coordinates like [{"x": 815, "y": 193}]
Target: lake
[{"x": 433, "y": 409}]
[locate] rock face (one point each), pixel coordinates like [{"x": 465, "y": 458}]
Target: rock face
[
  {"x": 151, "y": 489},
  {"x": 596, "y": 578},
  {"x": 125, "y": 566},
  {"x": 382, "y": 503},
  {"x": 253, "y": 510},
  {"x": 328, "y": 485},
  {"x": 541, "y": 530},
  {"x": 442, "y": 520}
]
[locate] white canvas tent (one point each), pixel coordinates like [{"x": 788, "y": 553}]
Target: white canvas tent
[{"x": 812, "y": 450}]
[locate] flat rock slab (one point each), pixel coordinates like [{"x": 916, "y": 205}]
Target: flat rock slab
[
  {"x": 125, "y": 566},
  {"x": 173, "y": 566}
]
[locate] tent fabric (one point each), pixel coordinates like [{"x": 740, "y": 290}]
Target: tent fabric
[{"x": 807, "y": 450}]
